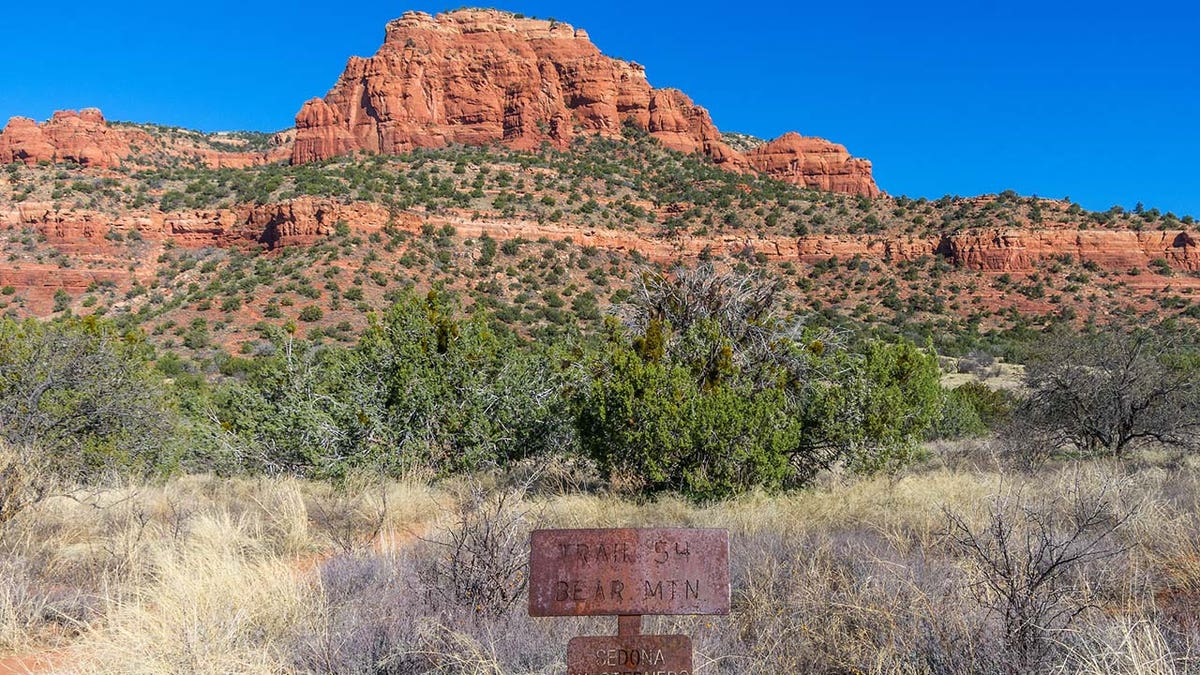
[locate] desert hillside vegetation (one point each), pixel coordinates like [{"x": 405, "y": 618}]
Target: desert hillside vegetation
[{"x": 319, "y": 446}]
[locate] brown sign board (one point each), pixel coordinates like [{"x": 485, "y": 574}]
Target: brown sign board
[
  {"x": 630, "y": 655},
  {"x": 597, "y": 572}
]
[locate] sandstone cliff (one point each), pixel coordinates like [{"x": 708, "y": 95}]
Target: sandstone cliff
[
  {"x": 484, "y": 76},
  {"x": 87, "y": 139},
  {"x": 813, "y": 162},
  {"x": 80, "y": 137},
  {"x": 297, "y": 222},
  {"x": 1005, "y": 250}
]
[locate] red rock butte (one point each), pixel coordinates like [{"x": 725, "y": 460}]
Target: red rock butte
[
  {"x": 476, "y": 77},
  {"x": 81, "y": 137}
]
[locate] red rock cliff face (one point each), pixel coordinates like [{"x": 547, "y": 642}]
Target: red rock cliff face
[
  {"x": 813, "y": 162},
  {"x": 483, "y": 76},
  {"x": 81, "y": 137},
  {"x": 1009, "y": 250},
  {"x": 85, "y": 138},
  {"x": 480, "y": 76}
]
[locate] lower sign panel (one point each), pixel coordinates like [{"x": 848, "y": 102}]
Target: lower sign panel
[{"x": 630, "y": 655}]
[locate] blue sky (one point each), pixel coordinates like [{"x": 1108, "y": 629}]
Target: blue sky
[{"x": 1098, "y": 101}]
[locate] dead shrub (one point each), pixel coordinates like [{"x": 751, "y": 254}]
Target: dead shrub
[
  {"x": 25, "y": 480},
  {"x": 1026, "y": 556},
  {"x": 846, "y": 601},
  {"x": 365, "y": 621},
  {"x": 481, "y": 560}
]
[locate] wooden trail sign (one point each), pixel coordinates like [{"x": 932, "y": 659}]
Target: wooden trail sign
[{"x": 628, "y": 571}]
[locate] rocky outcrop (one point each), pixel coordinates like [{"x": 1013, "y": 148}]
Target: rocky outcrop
[
  {"x": 303, "y": 221},
  {"x": 80, "y": 137},
  {"x": 88, "y": 233},
  {"x": 1014, "y": 250},
  {"x": 484, "y": 76},
  {"x": 813, "y": 162},
  {"x": 481, "y": 76},
  {"x": 297, "y": 222},
  {"x": 1017, "y": 250},
  {"x": 817, "y": 248},
  {"x": 87, "y": 139}
]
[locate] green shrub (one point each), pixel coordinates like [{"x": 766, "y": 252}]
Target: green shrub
[
  {"x": 972, "y": 410},
  {"x": 80, "y": 394},
  {"x": 422, "y": 388},
  {"x": 706, "y": 392},
  {"x": 311, "y": 313}
]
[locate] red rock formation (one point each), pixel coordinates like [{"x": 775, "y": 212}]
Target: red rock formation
[
  {"x": 1117, "y": 250},
  {"x": 85, "y": 138},
  {"x": 1016, "y": 250},
  {"x": 818, "y": 248},
  {"x": 321, "y": 132},
  {"x": 484, "y": 76},
  {"x": 305, "y": 220},
  {"x": 81, "y": 137},
  {"x": 814, "y": 162},
  {"x": 481, "y": 76},
  {"x": 295, "y": 222}
]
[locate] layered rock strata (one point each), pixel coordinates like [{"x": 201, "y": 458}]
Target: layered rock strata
[
  {"x": 305, "y": 220},
  {"x": 813, "y": 162}
]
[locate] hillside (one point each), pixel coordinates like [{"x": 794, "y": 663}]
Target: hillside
[
  {"x": 208, "y": 239},
  {"x": 542, "y": 238}
]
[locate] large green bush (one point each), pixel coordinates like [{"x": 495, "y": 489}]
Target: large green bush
[
  {"x": 80, "y": 395},
  {"x": 651, "y": 425},
  {"x": 973, "y": 409},
  {"x": 705, "y": 391},
  {"x": 423, "y": 387}
]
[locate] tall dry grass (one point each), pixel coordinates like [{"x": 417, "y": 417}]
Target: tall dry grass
[
  {"x": 215, "y": 602},
  {"x": 140, "y": 578},
  {"x": 853, "y": 576}
]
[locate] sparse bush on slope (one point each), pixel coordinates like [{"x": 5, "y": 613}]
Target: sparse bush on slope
[{"x": 1110, "y": 392}]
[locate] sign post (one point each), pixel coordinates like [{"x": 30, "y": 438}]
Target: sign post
[{"x": 627, "y": 573}]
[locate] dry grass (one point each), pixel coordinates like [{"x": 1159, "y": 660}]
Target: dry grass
[
  {"x": 279, "y": 575},
  {"x": 1123, "y": 646},
  {"x": 161, "y": 578},
  {"x": 216, "y": 603}
]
